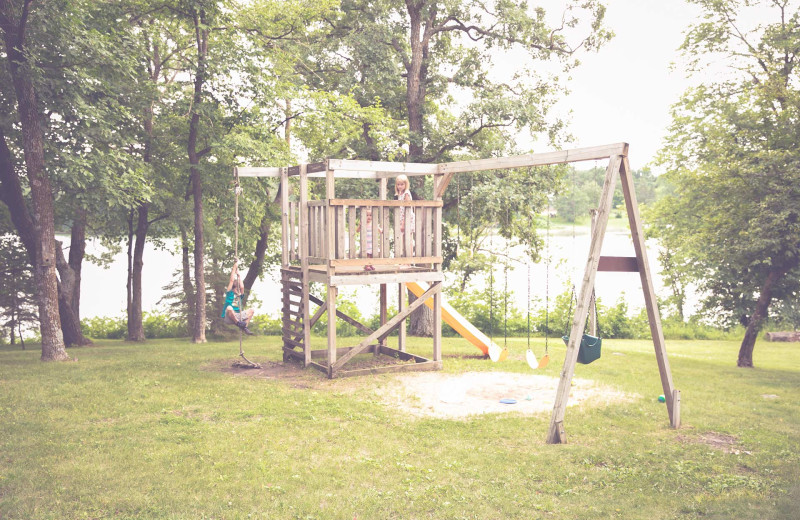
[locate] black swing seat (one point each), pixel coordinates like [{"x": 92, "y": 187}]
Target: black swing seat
[{"x": 589, "y": 349}]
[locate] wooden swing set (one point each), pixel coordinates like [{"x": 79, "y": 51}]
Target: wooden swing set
[{"x": 327, "y": 241}]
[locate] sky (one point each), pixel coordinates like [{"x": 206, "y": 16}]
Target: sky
[{"x": 624, "y": 91}]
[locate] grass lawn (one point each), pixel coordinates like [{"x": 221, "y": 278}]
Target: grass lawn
[{"x": 158, "y": 431}]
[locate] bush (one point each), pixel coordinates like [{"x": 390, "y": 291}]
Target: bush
[
  {"x": 103, "y": 327},
  {"x": 156, "y": 326}
]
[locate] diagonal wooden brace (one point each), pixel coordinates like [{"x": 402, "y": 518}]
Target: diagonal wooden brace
[
  {"x": 388, "y": 326},
  {"x": 339, "y": 314}
]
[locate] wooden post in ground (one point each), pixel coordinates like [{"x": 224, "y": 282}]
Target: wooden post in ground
[
  {"x": 650, "y": 301},
  {"x": 593, "y": 304},
  {"x": 285, "y": 234},
  {"x": 304, "y": 237},
  {"x": 329, "y": 228},
  {"x": 438, "y": 181},
  {"x": 383, "y": 239},
  {"x": 556, "y": 433}
]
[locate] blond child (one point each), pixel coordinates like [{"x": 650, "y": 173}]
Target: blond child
[{"x": 402, "y": 192}]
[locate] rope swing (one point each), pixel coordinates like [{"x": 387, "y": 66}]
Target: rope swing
[{"x": 237, "y": 190}]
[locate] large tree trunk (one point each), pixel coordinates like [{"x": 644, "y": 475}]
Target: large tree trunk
[
  {"x": 69, "y": 287},
  {"x": 135, "y": 325},
  {"x": 420, "y": 323},
  {"x": 201, "y": 34},
  {"x": 41, "y": 191},
  {"x": 757, "y": 319},
  {"x": 188, "y": 289}
]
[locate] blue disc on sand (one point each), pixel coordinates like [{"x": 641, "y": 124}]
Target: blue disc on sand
[{"x": 508, "y": 401}]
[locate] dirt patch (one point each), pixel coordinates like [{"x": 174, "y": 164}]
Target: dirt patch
[
  {"x": 719, "y": 441},
  {"x": 436, "y": 394}
]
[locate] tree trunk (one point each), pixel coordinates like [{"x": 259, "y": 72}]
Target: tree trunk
[
  {"x": 255, "y": 267},
  {"x": 201, "y": 33},
  {"x": 135, "y": 325},
  {"x": 69, "y": 286},
  {"x": 44, "y": 270},
  {"x": 420, "y": 323},
  {"x": 416, "y": 72},
  {"x": 188, "y": 289},
  {"x": 757, "y": 319}
]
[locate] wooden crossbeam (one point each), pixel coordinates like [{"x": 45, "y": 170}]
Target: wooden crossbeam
[
  {"x": 388, "y": 326},
  {"x": 619, "y": 264},
  {"x": 339, "y": 314},
  {"x": 536, "y": 159}
]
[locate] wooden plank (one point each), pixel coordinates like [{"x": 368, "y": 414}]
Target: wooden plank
[
  {"x": 419, "y": 247},
  {"x": 402, "y": 305},
  {"x": 292, "y": 342},
  {"x": 427, "y": 366},
  {"x": 584, "y": 297},
  {"x": 331, "y": 327},
  {"x": 286, "y": 241},
  {"x": 255, "y": 171},
  {"x": 675, "y": 419},
  {"x": 386, "y": 329},
  {"x": 292, "y": 232},
  {"x": 537, "y": 159},
  {"x": 384, "y": 203},
  {"x": 618, "y": 264},
  {"x": 387, "y": 261},
  {"x": 650, "y": 300},
  {"x": 351, "y": 214},
  {"x": 398, "y": 239},
  {"x": 383, "y": 309},
  {"x": 341, "y": 165},
  {"x": 340, "y": 232},
  {"x": 308, "y": 168},
  {"x": 373, "y": 278},
  {"x": 402, "y": 356}
]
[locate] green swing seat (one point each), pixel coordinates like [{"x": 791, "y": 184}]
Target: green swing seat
[{"x": 589, "y": 349}]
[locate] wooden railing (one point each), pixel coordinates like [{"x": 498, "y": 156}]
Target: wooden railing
[{"x": 392, "y": 231}]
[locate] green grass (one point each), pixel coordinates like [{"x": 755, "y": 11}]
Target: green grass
[{"x": 154, "y": 431}]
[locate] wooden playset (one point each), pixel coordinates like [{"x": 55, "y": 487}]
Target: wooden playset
[{"x": 333, "y": 241}]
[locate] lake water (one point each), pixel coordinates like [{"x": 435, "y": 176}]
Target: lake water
[{"x": 103, "y": 289}]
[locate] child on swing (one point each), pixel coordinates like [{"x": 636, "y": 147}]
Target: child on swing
[{"x": 233, "y": 294}]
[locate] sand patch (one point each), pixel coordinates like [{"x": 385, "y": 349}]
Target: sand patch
[{"x": 437, "y": 394}]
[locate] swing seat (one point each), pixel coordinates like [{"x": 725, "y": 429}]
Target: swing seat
[{"x": 589, "y": 349}]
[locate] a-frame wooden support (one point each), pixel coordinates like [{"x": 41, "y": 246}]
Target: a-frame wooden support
[{"x": 618, "y": 164}]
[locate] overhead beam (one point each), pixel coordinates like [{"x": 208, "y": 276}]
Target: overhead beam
[{"x": 536, "y": 159}]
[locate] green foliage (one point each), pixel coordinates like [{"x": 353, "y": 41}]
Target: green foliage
[
  {"x": 732, "y": 158},
  {"x": 18, "y": 309},
  {"x": 156, "y": 326}
]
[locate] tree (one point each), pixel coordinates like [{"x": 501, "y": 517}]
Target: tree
[
  {"x": 733, "y": 155},
  {"x": 16, "y": 288},
  {"x": 15, "y": 20},
  {"x": 432, "y": 64}
]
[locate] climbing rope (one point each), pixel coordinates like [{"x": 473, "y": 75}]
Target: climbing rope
[{"x": 237, "y": 190}]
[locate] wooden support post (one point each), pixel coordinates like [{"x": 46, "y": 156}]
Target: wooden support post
[
  {"x": 554, "y": 434},
  {"x": 650, "y": 301},
  {"x": 593, "y": 304},
  {"x": 384, "y": 239},
  {"x": 286, "y": 243},
  {"x": 675, "y": 416},
  {"x": 402, "y": 303},
  {"x": 438, "y": 182},
  {"x": 331, "y": 301},
  {"x": 304, "y": 237}
]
